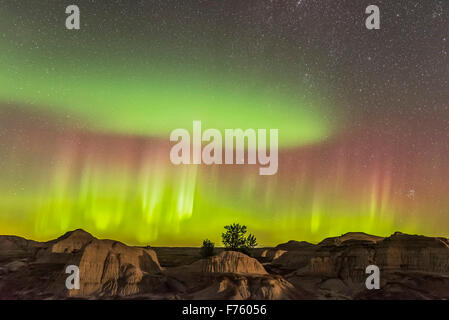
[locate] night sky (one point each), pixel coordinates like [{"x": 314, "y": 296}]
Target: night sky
[{"x": 85, "y": 118}]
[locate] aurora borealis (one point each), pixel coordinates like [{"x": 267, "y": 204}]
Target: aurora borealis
[{"x": 85, "y": 118}]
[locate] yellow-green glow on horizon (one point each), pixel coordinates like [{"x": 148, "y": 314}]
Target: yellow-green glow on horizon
[{"x": 160, "y": 204}]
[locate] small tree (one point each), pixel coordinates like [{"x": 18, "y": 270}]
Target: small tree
[
  {"x": 207, "y": 249},
  {"x": 234, "y": 238},
  {"x": 251, "y": 241}
]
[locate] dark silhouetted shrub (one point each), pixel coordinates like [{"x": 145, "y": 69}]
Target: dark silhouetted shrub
[
  {"x": 234, "y": 239},
  {"x": 207, "y": 249}
]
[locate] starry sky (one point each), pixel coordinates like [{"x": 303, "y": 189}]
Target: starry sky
[{"x": 86, "y": 115}]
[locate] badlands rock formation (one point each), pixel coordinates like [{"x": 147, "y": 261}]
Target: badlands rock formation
[
  {"x": 231, "y": 275},
  {"x": 107, "y": 268},
  {"x": 230, "y": 262},
  {"x": 412, "y": 267}
]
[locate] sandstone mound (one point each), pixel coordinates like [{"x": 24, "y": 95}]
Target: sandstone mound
[
  {"x": 350, "y": 236},
  {"x": 230, "y": 262},
  {"x": 239, "y": 287},
  {"x": 231, "y": 275},
  {"x": 111, "y": 268},
  {"x": 294, "y": 245},
  {"x": 271, "y": 254},
  {"x": 414, "y": 252},
  {"x": 107, "y": 268},
  {"x": 293, "y": 260},
  {"x": 15, "y": 247},
  {"x": 72, "y": 241}
]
